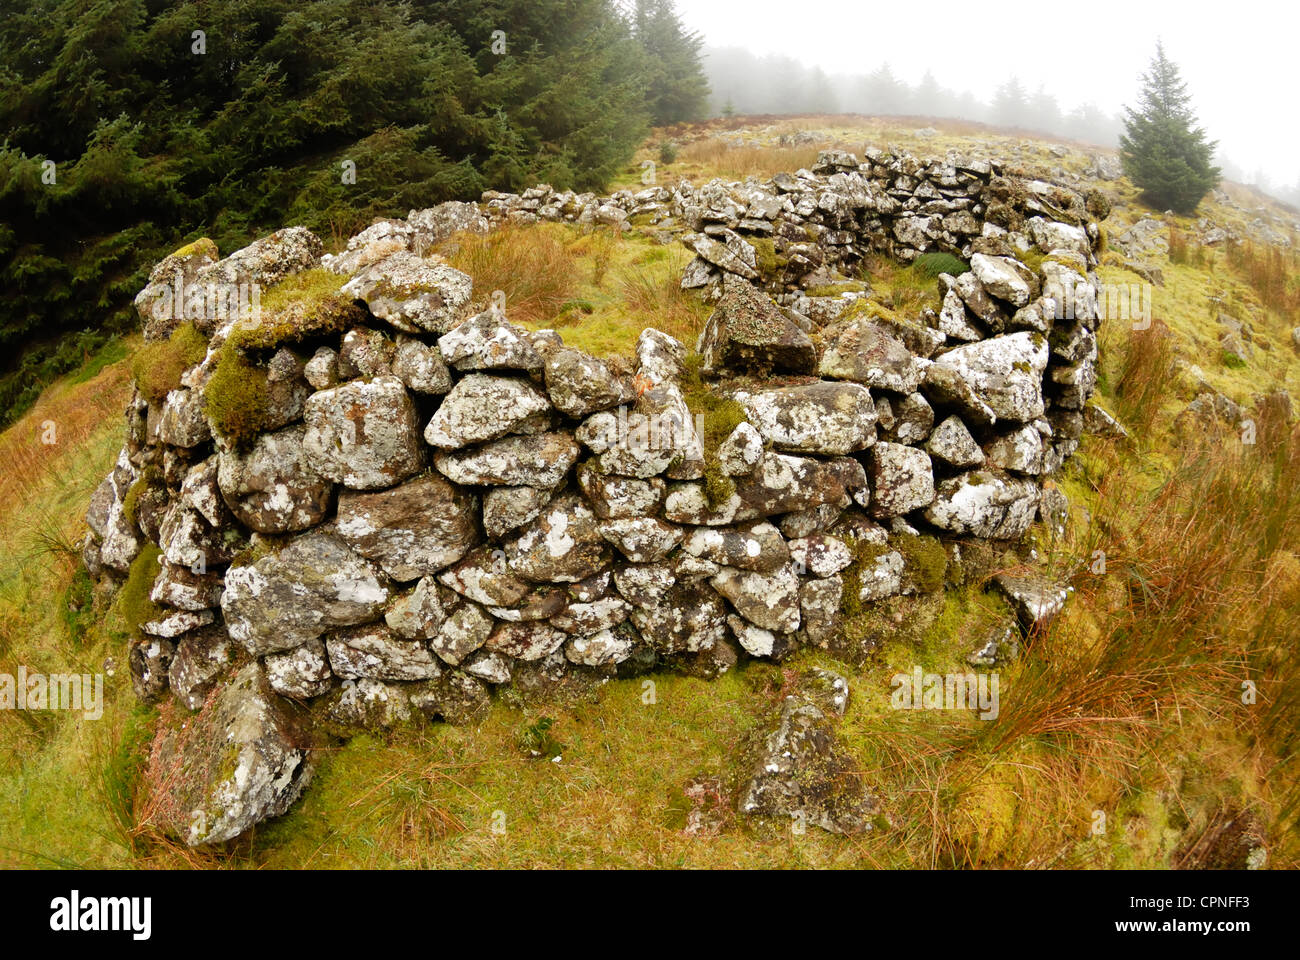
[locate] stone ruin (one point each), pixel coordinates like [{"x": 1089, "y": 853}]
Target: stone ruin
[{"x": 398, "y": 501}]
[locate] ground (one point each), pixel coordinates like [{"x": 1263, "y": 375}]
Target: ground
[{"x": 1123, "y": 735}]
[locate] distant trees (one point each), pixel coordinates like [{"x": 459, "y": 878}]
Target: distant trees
[
  {"x": 1010, "y": 106},
  {"x": 883, "y": 93},
  {"x": 780, "y": 84},
  {"x": 1163, "y": 150}
]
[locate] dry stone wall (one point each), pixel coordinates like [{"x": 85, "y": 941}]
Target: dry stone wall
[{"x": 382, "y": 502}]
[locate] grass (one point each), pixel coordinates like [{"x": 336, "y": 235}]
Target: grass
[
  {"x": 1128, "y": 704},
  {"x": 597, "y": 290}
]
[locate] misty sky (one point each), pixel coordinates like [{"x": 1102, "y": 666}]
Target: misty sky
[{"x": 1240, "y": 59}]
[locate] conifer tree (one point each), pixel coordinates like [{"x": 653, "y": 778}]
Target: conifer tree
[
  {"x": 1164, "y": 152},
  {"x": 677, "y": 89}
]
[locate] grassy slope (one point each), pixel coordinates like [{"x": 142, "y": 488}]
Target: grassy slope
[{"x": 1159, "y": 750}]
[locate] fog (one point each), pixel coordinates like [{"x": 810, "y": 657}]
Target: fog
[{"x": 1076, "y": 66}]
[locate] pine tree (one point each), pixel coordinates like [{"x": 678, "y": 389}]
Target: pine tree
[
  {"x": 1164, "y": 152},
  {"x": 676, "y": 86}
]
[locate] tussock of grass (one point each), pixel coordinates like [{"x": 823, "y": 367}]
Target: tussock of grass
[{"x": 535, "y": 267}]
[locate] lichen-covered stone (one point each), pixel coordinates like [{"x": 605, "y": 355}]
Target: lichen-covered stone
[
  {"x": 413, "y": 293},
  {"x": 363, "y": 434},
  {"x": 244, "y": 759},
  {"x": 272, "y": 487},
  {"x": 539, "y": 461},
  {"x": 483, "y": 407},
  {"x": 314, "y": 584},
  {"x": 983, "y": 504},
  {"x": 411, "y": 530},
  {"x": 823, "y": 417}
]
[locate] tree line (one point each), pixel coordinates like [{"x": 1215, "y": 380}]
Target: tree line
[
  {"x": 746, "y": 83},
  {"x": 131, "y": 126}
]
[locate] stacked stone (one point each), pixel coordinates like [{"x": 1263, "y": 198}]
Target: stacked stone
[{"x": 440, "y": 502}]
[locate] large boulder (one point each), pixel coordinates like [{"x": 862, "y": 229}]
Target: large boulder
[
  {"x": 984, "y": 504},
  {"x": 412, "y": 530},
  {"x": 1004, "y": 374},
  {"x": 867, "y": 352},
  {"x": 483, "y": 407},
  {"x": 413, "y": 293},
  {"x": 540, "y": 460},
  {"x": 244, "y": 758},
  {"x": 747, "y": 331},
  {"x": 312, "y": 585},
  {"x": 363, "y": 434}
]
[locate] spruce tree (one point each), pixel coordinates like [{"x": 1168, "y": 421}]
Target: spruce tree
[
  {"x": 677, "y": 89},
  {"x": 1164, "y": 152}
]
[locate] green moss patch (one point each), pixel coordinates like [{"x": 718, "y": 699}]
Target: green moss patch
[
  {"x": 151, "y": 476},
  {"x": 302, "y": 306},
  {"x": 157, "y": 367},
  {"x": 930, "y": 265},
  {"x": 924, "y": 561},
  {"x": 236, "y": 398},
  {"x": 132, "y": 605}
]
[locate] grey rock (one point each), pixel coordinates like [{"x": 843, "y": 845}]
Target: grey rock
[
  {"x": 246, "y": 759},
  {"x": 483, "y": 407},
  {"x": 902, "y": 479},
  {"x": 412, "y": 530},
  {"x": 541, "y": 460},
  {"x": 372, "y": 650},
  {"x": 363, "y": 434},
  {"x": 272, "y": 487},
  {"x": 983, "y": 504},
  {"x": 823, "y": 417},
  {"x": 312, "y": 585}
]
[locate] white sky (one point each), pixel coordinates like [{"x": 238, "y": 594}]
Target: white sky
[{"x": 1240, "y": 59}]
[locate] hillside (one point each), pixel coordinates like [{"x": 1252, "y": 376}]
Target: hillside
[{"x": 1129, "y": 704}]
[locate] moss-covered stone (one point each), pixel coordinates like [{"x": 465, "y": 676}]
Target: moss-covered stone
[
  {"x": 157, "y": 367},
  {"x": 236, "y": 398},
  {"x": 151, "y": 476},
  {"x": 924, "y": 561},
  {"x": 770, "y": 262},
  {"x": 302, "y": 306},
  {"x": 132, "y": 606}
]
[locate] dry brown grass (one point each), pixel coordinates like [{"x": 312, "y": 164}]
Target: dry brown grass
[
  {"x": 736, "y": 162},
  {"x": 1145, "y": 374},
  {"x": 68, "y": 414},
  {"x": 1274, "y": 275},
  {"x": 535, "y": 266},
  {"x": 655, "y": 298}
]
